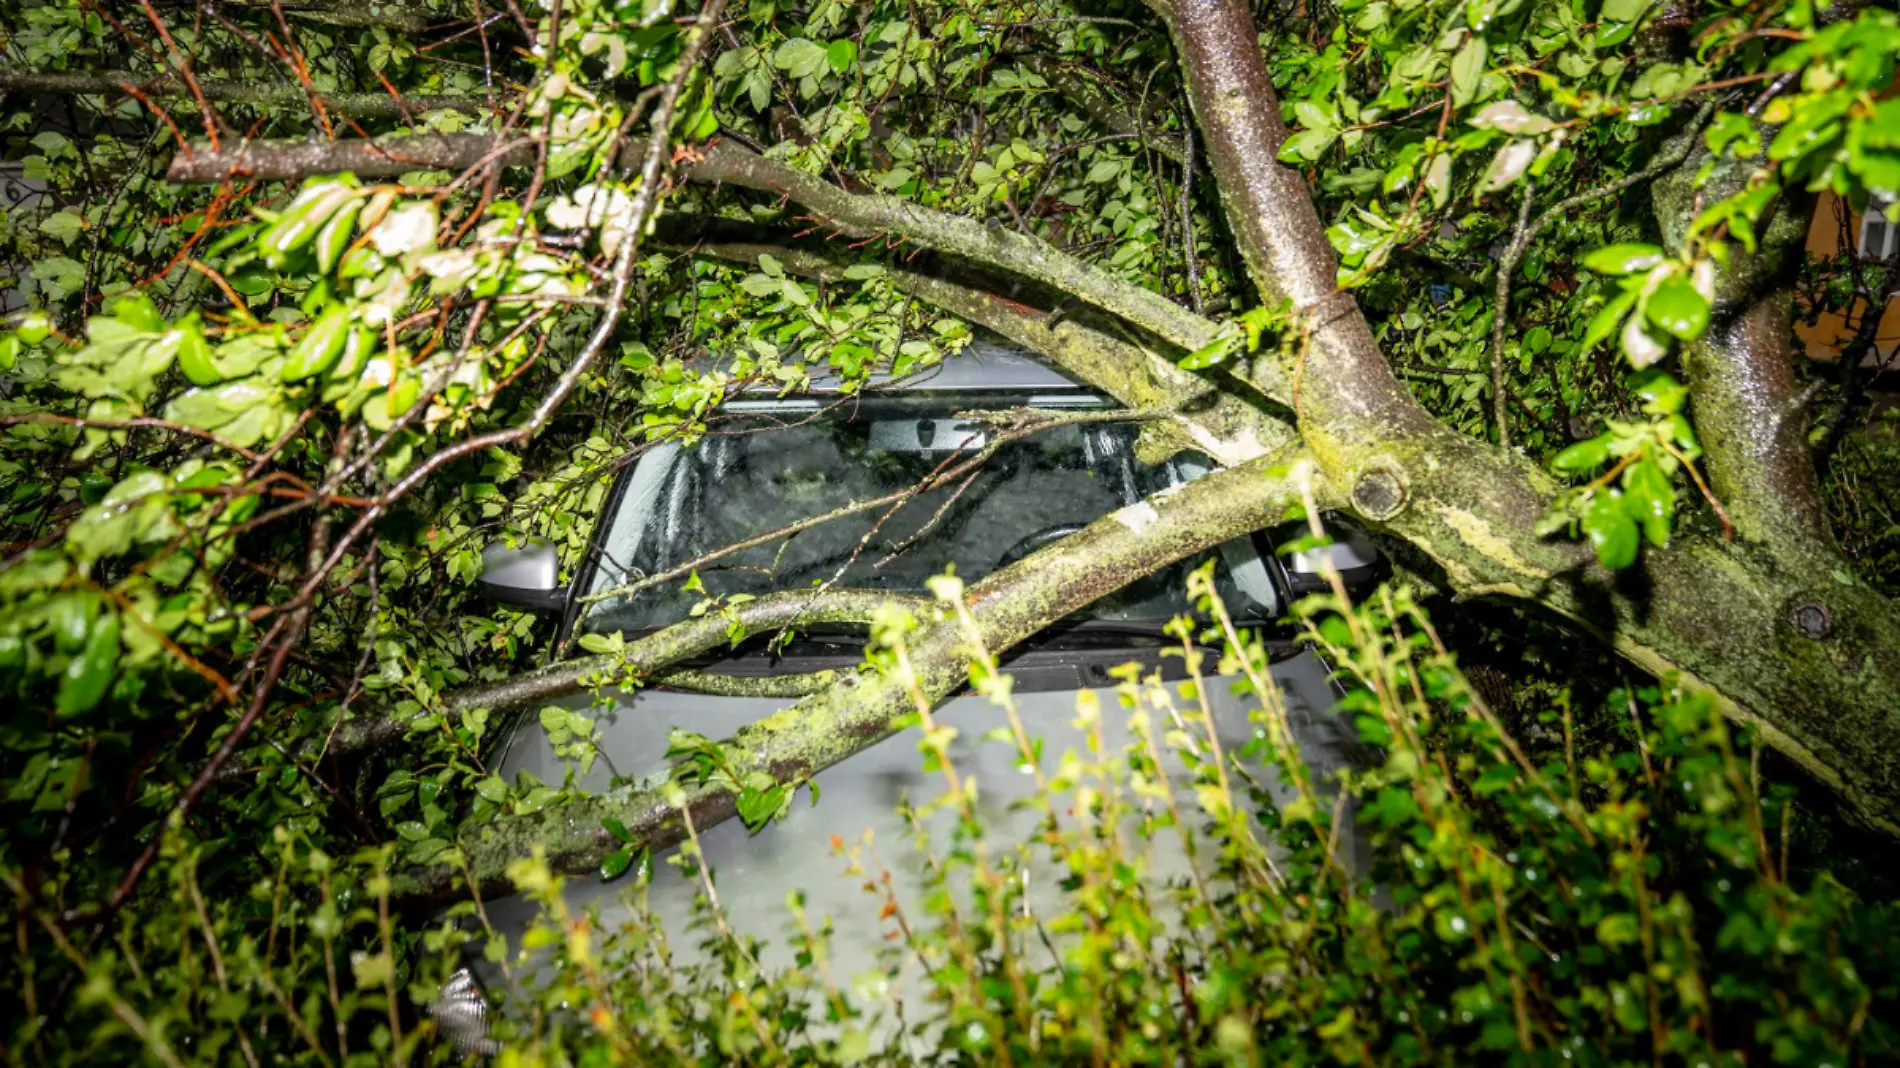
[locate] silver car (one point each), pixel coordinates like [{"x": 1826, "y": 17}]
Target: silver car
[{"x": 777, "y": 459}]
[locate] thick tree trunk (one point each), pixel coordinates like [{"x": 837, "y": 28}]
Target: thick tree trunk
[
  {"x": 1750, "y": 413},
  {"x": 1779, "y": 628}
]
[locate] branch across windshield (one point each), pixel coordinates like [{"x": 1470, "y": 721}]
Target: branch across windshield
[{"x": 777, "y": 466}]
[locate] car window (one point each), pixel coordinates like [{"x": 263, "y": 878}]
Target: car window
[{"x": 778, "y": 467}]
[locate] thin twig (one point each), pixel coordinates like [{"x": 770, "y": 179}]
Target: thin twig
[{"x": 1670, "y": 156}]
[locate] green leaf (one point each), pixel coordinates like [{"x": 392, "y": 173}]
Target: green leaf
[
  {"x": 1618, "y": 929},
  {"x": 1467, "y": 70},
  {"x": 1606, "y": 321},
  {"x": 1583, "y": 456},
  {"x": 1611, "y": 532},
  {"x": 617, "y": 829},
  {"x": 334, "y": 239},
  {"x": 841, "y": 55},
  {"x": 1508, "y": 165},
  {"x": 853, "y": 1046},
  {"x": 61, "y": 274},
  {"x": 90, "y": 673},
  {"x": 300, "y": 222},
  {"x": 1438, "y": 179},
  {"x": 760, "y": 285},
  {"x": 1661, "y": 394},
  {"x": 64, "y": 225},
  {"x": 71, "y": 617},
  {"x": 800, "y": 57},
  {"x": 1623, "y": 258},
  {"x": 1650, "y": 500},
  {"x": 319, "y": 347},
  {"x": 1675, "y": 306},
  {"x": 358, "y": 345},
  {"x": 1640, "y": 347},
  {"x": 194, "y": 358},
  {"x": 1730, "y": 128},
  {"x": 757, "y": 806},
  {"x": 33, "y": 327},
  {"x": 1210, "y": 354},
  {"x": 1509, "y": 116},
  {"x": 1307, "y": 145},
  {"x": 599, "y": 644},
  {"x": 1314, "y": 117},
  {"x": 616, "y": 864}
]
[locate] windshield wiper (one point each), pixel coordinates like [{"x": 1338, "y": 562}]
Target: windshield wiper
[{"x": 1136, "y": 628}]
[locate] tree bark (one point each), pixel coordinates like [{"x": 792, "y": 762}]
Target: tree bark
[
  {"x": 1790, "y": 641},
  {"x": 384, "y": 157},
  {"x": 1750, "y": 413}
]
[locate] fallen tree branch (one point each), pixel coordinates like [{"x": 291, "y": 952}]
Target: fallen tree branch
[
  {"x": 388, "y": 14},
  {"x": 867, "y": 215},
  {"x": 1210, "y": 418},
  {"x": 362, "y": 105},
  {"x": 1820, "y": 678},
  {"x": 383, "y": 157},
  {"x": 1750, "y": 412},
  {"x": 718, "y": 685},
  {"x": 864, "y": 707},
  {"x": 860, "y": 215},
  {"x": 645, "y": 659},
  {"x": 1349, "y": 392}
]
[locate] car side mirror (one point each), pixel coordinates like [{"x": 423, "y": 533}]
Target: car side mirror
[{"x": 526, "y": 575}]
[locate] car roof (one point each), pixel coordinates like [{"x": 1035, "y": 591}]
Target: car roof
[{"x": 983, "y": 365}]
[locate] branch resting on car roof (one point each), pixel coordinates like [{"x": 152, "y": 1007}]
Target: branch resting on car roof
[
  {"x": 641, "y": 661},
  {"x": 858, "y": 215},
  {"x": 1209, "y": 416}
]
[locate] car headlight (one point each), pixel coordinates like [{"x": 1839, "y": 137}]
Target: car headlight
[{"x": 461, "y": 1014}]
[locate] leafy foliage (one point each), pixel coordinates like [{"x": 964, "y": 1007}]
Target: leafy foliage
[
  {"x": 254, "y": 435},
  {"x": 1608, "y": 903}
]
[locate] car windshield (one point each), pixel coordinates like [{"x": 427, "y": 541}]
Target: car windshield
[{"x": 776, "y": 463}]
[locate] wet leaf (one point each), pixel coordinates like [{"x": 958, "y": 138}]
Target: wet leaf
[
  {"x": 1583, "y": 456},
  {"x": 616, "y": 863},
  {"x": 90, "y": 673},
  {"x": 1623, "y": 258},
  {"x": 1678, "y": 308},
  {"x": 1467, "y": 70},
  {"x": 1508, "y": 165},
  {"x": 1611, "y": 532}
]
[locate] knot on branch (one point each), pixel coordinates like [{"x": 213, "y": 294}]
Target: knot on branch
[
  {"x": 1379, "y": 494},
  {"x": 1812, "y": 619}
]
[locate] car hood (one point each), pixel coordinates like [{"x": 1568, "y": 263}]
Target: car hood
[{"x": 858, "y": 802}]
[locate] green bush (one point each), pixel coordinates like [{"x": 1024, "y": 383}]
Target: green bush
[
  {"x": 1626, "y": 905},
  {"x": 1629, "y": 902}
]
